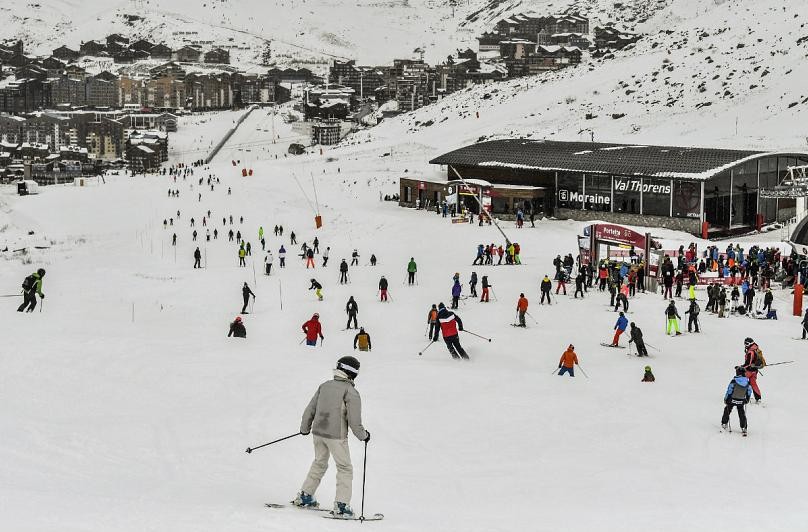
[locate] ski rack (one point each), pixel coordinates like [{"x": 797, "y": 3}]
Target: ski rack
[{"x": 794, "y": 185}]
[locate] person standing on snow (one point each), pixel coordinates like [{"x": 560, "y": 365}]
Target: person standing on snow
[
  {"x": 282, "y": 257},
  {"x": 473, "y": 284},
  {"x": 693, "y": 318},
  {"x": 313, "y": 328},
  {"x": 561, "y": 281},
  {"x": 619, "y": 328},
  {"x": 456, "y": 290},
  {"x": 568, "y": 362},
  {"x": 318, "y": 289},
  {"x": 355, "y": 258},
  {"x": 487, "y": 286},
  {"x": 382, "y": 289},
  {"x": 245, "y": 294},
  {"x": 309, "y": 258},
  {"x": 635, "y": 336},
  {"x": 545, "y": 286},
  {"x": 316, "y": 245},
  {"x": 622, "y": 297},
  {"x": 343, "y": 272},
  {"x": 325, "y": 256},
  {"x": 335, "y": 406},
  {"x": 432, "y": 320},
  {"x": 352, "y": 309},
  {"x": 292, "y": 238},
  {"x": 753, "y": 361},
  {"x": 673, "y": 318},
  {"x": 242, "y": 253},
  {"x": 579, "y": 284},
  {"x": 362, "y": 339},
  {"x": 805, "y": 324},
  {"x": 237, "y": 329},
  {"x": 521, "y": 309},
  {"x": 738, "y": 394},
  {"x": 449, "y": 325},
  {"x": 31, "y": 286},
  {"x": 268, "y": 263},
  {"x": 197, "y": 258},
  {"x": 412, "y": 269}
]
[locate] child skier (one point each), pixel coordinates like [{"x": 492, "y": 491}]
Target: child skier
[
  {"x": 738, "y": 394},
  {"x": 648, "y": 376}
]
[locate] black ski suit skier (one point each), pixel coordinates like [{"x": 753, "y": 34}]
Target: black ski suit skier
[
  {"x": 546, "y": 286},
  {"x": 237, "y": 329},
  {"x": 355, "y": 258},
  {"x": 343, "y": 272},
  {"x": 739, "y": 392},
  {"x": 693, "y": 319},
  {"x": 31, "y": 286},
  {"x": 245, "y": 294},
  {"x": 352, "y": 309},
  {"x": 449, "y": 325},
  {"x": 805, "y": 324},
  {"x": 473, "y": 284},
  {"x": 635, "y": 336},
  {"x": 579, "y": 284},
  {"x": 197, "y": 258}
]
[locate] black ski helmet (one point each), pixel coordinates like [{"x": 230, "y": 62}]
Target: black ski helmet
[
  {"x": 739, "y": 371},
  {"x": 748, "y": 341},
  {"x": 41, "y": 272},
  {"x": 349, "y": 365}
]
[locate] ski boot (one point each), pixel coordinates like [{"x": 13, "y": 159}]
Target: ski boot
[
  {"x": 724, "y": 426},
  {"x": 342, "y": 511},
  {"x": 304, "y": 500}
]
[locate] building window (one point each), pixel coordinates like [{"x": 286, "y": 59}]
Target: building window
[
  {"x": 716, "y": 200},
  {"x": 407, "y": 195},
  {"x": 744, "y": 194},
  {"x": 656, "y": 197},
  {"x": 687, "y": 199},
  {"x": 598, "y": 193},
  {"x": 570, "y": 187},
  {"x": 768, "y": 180},
  {"x": 627, "y": 195}
]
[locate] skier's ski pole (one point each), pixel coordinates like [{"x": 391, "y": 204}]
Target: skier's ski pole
[
  {"x": 477, "y": 335},
  {"x": 778, "y": 363},
  {"x": 531, "y": 317},
  {"x": 12, "y": 295},
  {"x": 582, "y": 371},
  {"x": 652, "y": 346},
  {"x": 301, "y": 341},
  {"x": 364, "y": 473},
  {"x": 421, "y": 352},
  {"x": 251, "y": 449},
  {"x": 555, "y": 371}
]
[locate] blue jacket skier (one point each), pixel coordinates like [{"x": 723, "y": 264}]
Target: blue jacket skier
[
  {"x": 738, "y": 394},
  {"x": 619, "y": 328}
]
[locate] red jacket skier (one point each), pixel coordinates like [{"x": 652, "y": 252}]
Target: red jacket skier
[{"x": 313, "y": 328}]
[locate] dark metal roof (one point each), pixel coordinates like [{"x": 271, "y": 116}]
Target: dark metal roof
[{"x": 601, "y": 158}]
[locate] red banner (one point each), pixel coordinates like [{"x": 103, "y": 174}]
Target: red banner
[{"x": 620, "y": 235}]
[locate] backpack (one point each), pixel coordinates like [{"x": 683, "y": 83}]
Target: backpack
[
  {"x": 739, "y": 393},
  {"x": 758, "y": 359},
  {"x": 29, "y": 282}
]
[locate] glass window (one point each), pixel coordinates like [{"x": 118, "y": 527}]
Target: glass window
[
  {"x": 716, "y": 200},
  {"x": 744, "y": 194},
  {"x": 768, "y": 179},
  {"x": 570, "y": 187},
  {"x": 598, "y": 193},
  {"x": 656, "y": 197},
  {"x": 627, "y": 192}
]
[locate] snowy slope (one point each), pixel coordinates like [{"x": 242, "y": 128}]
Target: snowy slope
[
  {"x": 709, "y": 73},
  {"x": 124, "y": 407}
]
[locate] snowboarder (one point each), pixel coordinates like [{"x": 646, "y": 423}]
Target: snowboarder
[
  {"x": 487, "y": 286},
  {"x": 619, "y": 328},
  {"x": 343, "y": 272},
  {"x": 268, "y": 263},
  {"x": 457, "y": 288},
  {"x": 335, "y": 406},
  {"x": 382, "y": 289},
  {"x": 473, "y": 284},
  {"x": 673, "y": 318},
  {"x": 325, "y": 256},
  {"x": 521, "y": 309},
  {"x": 318, "y": 289},
  {"x": 648, "y": 376},
  {"x": 432, "y": 320},
  {"x": 449, "y": 325},
  {"x": 412, "y": 269},
  {"x": 313, "y": 328},
  {"x": 635, "y": 336},
  {"x": 362, "y": 339},
  {"x": 237, "y": 329},
  {"x": 31, "y": 286},
  {"x": 693, "y": 318},
  {"x": 282, "y": 257},
  {"x": 197, "y": 258},
  {"x": 568, "y": 362},
  {"x": 738, "y": 394},
  {"x": 245, "y": 294},
  {"x": 753, "y": 361},
  {"x": 546, "y": 285},
  {"x": 352, "y": 309}
]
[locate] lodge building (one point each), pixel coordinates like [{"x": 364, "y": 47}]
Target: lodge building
[{"x": 680, "y": 188}]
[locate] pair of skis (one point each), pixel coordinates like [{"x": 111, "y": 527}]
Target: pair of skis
[{"x": 327, "y": 514}]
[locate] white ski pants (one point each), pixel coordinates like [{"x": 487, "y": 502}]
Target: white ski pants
[{"x": 323, "y": 448}]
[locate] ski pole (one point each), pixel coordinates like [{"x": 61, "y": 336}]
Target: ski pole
[
  {"x": 364, "y": 473},
  {"x": 251, "y": 449},
  {"x": 555, "y": 371},
  {"x": 531, "y": 317},
  {"x": 652, "y": 346},
  {"x": 477, "y": 335},
  {"x": 421, "y": 352},
  {"x": 582, "y": 371},
  {"x": 301, "y": 341},
  {"x": 12, "y": 295},
  {"x": 778, "y": 363}
]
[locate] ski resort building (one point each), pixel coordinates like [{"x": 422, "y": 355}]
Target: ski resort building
[{"x": 700, "y": 190}]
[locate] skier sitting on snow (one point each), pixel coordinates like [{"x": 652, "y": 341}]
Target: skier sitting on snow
[
  {"x": 449, "y": 325},
  {"x": 237, "y": 329},
  {"x": 738, "y": 394},
  {"x": 648, "y": 376},
  {"x": 636, "y": 337},
  {"x": 335, "y": 406},
  {"x": 619, "y": 328}
]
